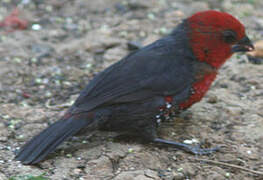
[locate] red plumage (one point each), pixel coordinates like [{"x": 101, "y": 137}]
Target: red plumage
[
  {"x": 135, "y": 94},
  {"x": 200, "y": 88},
  {"x": 206, "y": 27}
]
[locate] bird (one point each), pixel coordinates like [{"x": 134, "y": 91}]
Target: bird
[{"x": 140, "y": 91}]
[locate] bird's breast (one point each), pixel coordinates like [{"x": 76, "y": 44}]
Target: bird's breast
[{"x": 198, "y": 90}]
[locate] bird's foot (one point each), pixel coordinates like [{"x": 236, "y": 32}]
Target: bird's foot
[{"x": 192, "y": 149}]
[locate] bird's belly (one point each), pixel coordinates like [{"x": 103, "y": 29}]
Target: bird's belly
[
  {"x": 135, "y": 115},
  {"x": 198, "y": 90}
]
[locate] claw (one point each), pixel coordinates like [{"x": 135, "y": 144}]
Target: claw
[{"x": 200, "y": 151}]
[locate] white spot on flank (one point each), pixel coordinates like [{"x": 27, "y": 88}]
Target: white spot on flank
[{"x": 168, "y": 105}]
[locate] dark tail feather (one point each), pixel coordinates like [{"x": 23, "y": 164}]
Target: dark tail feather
[{"x": 46, "y": 142}]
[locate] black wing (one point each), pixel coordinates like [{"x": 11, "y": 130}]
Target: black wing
[{"x": 162, "y": 68}]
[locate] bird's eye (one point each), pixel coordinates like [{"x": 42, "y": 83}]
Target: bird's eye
[{"x": 229, "y": 36}]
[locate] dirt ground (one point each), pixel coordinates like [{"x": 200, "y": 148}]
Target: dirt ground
[{"x": 44, "y": 67}]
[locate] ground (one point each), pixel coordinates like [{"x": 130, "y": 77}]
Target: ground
[{"x": 44, "y": 67}]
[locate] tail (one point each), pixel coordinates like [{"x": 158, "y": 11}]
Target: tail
[{"x": 46, "y": 142}]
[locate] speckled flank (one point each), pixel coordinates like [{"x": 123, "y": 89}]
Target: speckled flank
[
  {"x": 198, "y": 90},
  {"x": 166, "y": 112}
]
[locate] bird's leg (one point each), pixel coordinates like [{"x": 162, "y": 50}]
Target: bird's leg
[
  {"x": 149, "y": 133},
  {"x": 192, "y": 149}
]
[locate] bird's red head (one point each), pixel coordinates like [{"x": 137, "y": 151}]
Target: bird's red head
[{"x": 215, "y": 36}]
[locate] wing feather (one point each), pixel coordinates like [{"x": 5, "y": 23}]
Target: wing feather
[{"x": 161, "y": 68}]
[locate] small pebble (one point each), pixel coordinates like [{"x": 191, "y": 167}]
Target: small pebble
[
  {"x": 191, "y": 141},
  {"x": 151, "y": 16},
  {"x": 69, "y": 155},
  {"x": 130, "y": 150},
  {"x": 180, "y": 169},
  {"x": 188, "y": 141},
  {"x": 36, "y": 27}
]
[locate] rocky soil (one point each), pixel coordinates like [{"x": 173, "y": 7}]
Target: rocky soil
[{"x": 65, "y": 43}]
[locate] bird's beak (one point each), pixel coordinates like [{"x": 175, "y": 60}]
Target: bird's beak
[{"x": 243, "y": 45}]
